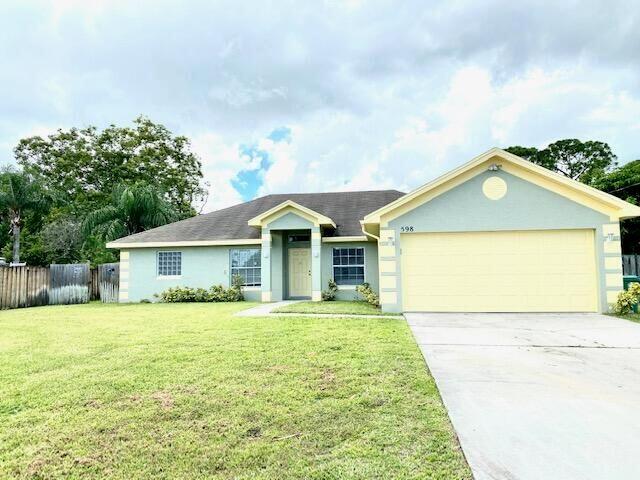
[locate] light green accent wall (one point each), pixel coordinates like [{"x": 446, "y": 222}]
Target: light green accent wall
[
  {"x": 371, "y": 266},
  {"x": 207, "y": 266},
  {"x": 286, "y": 224},
  {"x": 201, "y": 267},
  {"x": 265, "y": 274},
  {"x": 277, "y": 263},
  {"x": 525, "y": 206},
  {"x": 289, "y": 221},
  {"x": 316, "y": 261}
]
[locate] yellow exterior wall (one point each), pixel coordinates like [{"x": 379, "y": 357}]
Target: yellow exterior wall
[
  {"x": 388, "y": 297},
  {"x": 614, "y": 280},
  {"x": 613, "y": 246},
  {"x": 613, "y": 263},
  {"x": 388, "y": 281},
  {"x": 387, "y": 266}
]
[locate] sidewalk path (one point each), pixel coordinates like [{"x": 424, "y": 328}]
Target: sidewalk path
[{"x": 266, "y": 310}]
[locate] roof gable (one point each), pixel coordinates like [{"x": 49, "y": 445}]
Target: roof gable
[
  {"x": 289, "y": 206},
  {"x": 590, "y": 197}
]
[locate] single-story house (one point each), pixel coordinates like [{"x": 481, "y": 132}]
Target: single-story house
[{"x": 497, "y": 234}]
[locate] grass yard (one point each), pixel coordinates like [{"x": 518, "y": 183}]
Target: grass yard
[
  {"x": 338, "y": 306},
  {"x": 189, "y": 391},
  {"x": 634, "y": 317}
]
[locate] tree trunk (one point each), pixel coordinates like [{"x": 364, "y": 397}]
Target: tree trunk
[{"x": 16, "y": 243}]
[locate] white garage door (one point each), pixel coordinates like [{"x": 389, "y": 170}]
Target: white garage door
[{"x": 518, "y": 271}]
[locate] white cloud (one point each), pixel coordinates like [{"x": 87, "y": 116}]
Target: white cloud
[
  {"x": 403, "y": 148},
  {"x": 375, "y": 95},
  {"x": 221, "y": 163}
]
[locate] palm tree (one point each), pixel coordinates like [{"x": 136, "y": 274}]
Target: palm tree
[
  {"x": 19, "y": 194},
  {"x": 133, "y": 209}
]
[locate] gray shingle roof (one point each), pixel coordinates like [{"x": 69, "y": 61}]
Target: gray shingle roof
[{"x": 346, "y": 209}]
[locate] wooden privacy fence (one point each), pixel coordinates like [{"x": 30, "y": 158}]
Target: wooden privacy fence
[
  {"x": 109, "y": 282},
  {"x": 58, "y": 285},
  {"x": 94, "y": 285},
  {"x": 69, "y": 284},
  {"x": 24, "y": 286},
  {"x": 631, "y": 264}
]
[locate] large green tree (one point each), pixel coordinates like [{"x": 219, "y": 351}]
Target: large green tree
[
  {"x": 62, "y": 241},
  {"x": 624, "y": 182},
  {"x": 583, "y": 161},
  {"x": 84, "y": 165},
  {"x": 133, "y": 209},
  {"x": 20, "y": 196}
]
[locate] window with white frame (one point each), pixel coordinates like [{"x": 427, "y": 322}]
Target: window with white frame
[
  {"x": 348, "y": 266},
  {"x": 169, "y": 264},
  {"x": 246, "y": 263}
]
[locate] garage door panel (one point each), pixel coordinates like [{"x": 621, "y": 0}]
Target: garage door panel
[{"x": 553, "y": 270}]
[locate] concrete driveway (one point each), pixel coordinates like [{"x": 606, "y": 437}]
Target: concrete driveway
[{"x": 538, "y": 396}]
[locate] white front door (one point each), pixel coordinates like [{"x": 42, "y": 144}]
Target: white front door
[{"x": 299, "y": 272}]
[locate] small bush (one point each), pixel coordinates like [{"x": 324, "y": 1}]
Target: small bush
[
  {"x": 368, "y": 294},
  {"x": 329, "y": 294},
  {"x": 235, "y": 292},
  {"x": 216, "y": 293},
  {"x": 627, "y": 299},
  {"x": 184, "y": 294}
]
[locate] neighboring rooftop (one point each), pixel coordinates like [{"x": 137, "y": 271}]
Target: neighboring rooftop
[{"x": 345, "y": 208}]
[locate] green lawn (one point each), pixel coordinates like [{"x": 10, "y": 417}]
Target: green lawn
[
  {"x": 188, "y": 391},
  {"x": 340, "y": 307},
  {"x": 634, "y": 317}
]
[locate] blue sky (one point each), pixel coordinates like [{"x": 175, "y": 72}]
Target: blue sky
[
  {"x": 330, "y": 95},
  {"x": 248, "y": 182}
]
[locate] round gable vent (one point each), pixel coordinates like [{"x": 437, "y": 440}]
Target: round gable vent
[{"x": 494, "y": 188}]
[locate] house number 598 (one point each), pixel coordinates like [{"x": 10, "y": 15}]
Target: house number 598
[{"x": 406, "y": 228}]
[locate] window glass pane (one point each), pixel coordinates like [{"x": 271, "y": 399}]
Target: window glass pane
[
  {"x": 299, "y": 237},
  {"x": 169, "y": 263},
  {"x": 245, "y": 262},
  {"x": 348, "y": 266}
]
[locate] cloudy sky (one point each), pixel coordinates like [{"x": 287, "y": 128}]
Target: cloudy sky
[{"x": 319, "y": 96}]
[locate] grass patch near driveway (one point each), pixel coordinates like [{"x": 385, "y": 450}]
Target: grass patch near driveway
[
  {"x": 335, "y": 307},
  {"x": 190, "y": 391},
  {"x": 634, "y": 317}
]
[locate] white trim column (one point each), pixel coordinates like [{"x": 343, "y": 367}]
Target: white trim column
[
  {"x": 265, "y": 273},
  {"x": 123, "y": 282},
  {"x": 388, "y": 271},
  {"x": 612, "y": 249},
  {"x": 316, "y": 265}
]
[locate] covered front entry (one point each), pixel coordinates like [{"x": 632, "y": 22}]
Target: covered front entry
[
  {"x": 505, "y": 271},
  {"x": 299, "y": 273}
]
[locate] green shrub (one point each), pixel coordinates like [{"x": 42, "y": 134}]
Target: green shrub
[
  {"x": 216, "y": 293},
  {"x": 184, "y": 294},
  {"x": 234, "y": 294},
  {"x": 368, "y": 294},
  {"x": 329, "y": 294},
  {"x": 627, "y": 299}
]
